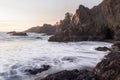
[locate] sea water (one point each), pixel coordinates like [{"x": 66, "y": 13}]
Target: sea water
[{"x": 18, "y": 53}]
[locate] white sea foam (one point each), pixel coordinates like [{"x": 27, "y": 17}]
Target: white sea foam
[{"x": 20, "y": 53}]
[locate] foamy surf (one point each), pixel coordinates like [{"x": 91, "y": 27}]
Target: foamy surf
[{"x": 20, "y": 53}]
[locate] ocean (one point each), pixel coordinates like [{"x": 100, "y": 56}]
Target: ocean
[{"x": 18, "y": 53}]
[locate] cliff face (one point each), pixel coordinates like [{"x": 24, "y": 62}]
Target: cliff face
[
  {"x": 46, "y": 28},
  {"x": 102, "y": 22}
]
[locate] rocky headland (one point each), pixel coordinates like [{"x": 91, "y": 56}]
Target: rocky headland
[
  {"x": 101, "y": 23},
  {"x": 46, "y": 28}
]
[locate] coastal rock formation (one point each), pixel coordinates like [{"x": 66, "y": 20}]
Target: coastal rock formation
[
  {"x": 14, "y": 33},
  {"x": 109, "y": 67},
  {"x": 100, "y": 23},
  {"x": 46, "y": 28}
]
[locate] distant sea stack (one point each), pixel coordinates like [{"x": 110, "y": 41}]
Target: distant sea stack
[
  {"x": 14, "y": 33},
  {"x": 100, "y": 23},
  {"x": 46, "y": 28}
]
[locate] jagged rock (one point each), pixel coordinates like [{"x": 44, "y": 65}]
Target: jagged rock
[
  {"x": 46, "y": 28},
  {"x": 103, "y": 49},
  {"x": 37, "y": 70},
  {"x": 109, "y": 67},
  {"x": 100, "y": 23},
  {"x": 72, "y": 75}
]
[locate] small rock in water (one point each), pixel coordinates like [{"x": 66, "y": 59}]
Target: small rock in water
[
  {"x": 38, "y": 38},
  {"x": 70, "y": 59},
  {"x": 37, "y": 70},
  {"x": 102, "y": 49}
]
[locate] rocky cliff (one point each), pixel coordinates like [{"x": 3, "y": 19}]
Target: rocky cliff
[
  {"x": 46, "y": 28},
  {"x": 100, "y": 23}
]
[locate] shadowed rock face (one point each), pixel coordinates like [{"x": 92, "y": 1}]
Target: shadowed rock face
[
  {"x": 46, "y": 28},
  {"x": 109, "y": 68},
  {"x": 100, "y": 23}
]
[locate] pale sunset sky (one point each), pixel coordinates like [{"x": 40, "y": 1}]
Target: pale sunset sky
[{"x": 22, "y": 14}]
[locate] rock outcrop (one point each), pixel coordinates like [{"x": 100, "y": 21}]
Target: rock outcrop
[
  {"x": 109, "y": 67},
  {"x": 46, "y": 28},
  {"x": 100, "y": 23}
]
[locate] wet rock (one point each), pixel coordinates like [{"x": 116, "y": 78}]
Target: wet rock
[
  {"x": 109, "y": 67},
  {"x": 116, "y": 46},
  {"x": 70, "y": 59},
  {"x": 38, "y": 38},
  {"x": 37, "y": 70},
  {"x": 102, "y": 49},
  {"x": 72, "y": 75}
]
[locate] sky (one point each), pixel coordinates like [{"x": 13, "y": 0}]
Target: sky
[{"x": 19, "y": 15}]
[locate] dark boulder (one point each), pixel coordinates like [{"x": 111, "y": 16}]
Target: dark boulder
[
  {"x": 109, "y": 67},
  {"x": 102, "y": 49},
  {"x": 72, "y": 75},
  {"x": 37, "y": 70}
]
